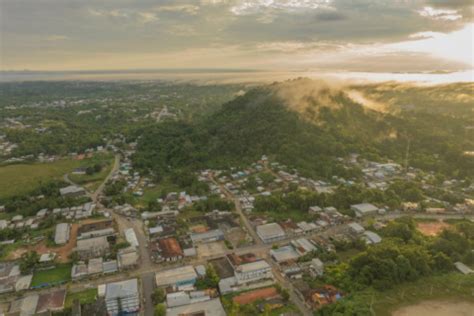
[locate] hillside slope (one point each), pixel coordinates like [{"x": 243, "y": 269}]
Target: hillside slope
[{"x": 305, "y": 129}]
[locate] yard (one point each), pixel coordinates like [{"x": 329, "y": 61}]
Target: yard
[
  {"x": 84, "y": 297},
  {"x": 62, "y": 272},
  {"x": 22, "y": 178}
]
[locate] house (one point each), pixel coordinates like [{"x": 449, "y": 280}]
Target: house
[
  {"x": 303, "y": 246},
  {"x": 182, "y": 276},
  {"x": 464, "y": 269},
  {"x": 364, "y": 209},
  {"x": 170, "y": 249},
  {"x": 371, "y": 237},
  {"x": 316, "y": 267},
  {"x": 62, "y": 232},
  {"x": 208, "y": 308},
  {"x": 283, "y": 254},
  {"x": 131, "y": 237},
  {"x": 269, "y": 233},
  {"x": 209, "y": 236},
  {"x": 315, "y": 210},
  {"x": 72, "y": 191},
  {"x": 356, "y": 228},
  {"x": 127, "y": 258},
  {"x": 122, "y": 298}
]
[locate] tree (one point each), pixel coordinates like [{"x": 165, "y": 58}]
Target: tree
[
  {"x": 28, "y": 261},
  {"x": 158, "y": 296},
  {"x": 160, "y": 310}
]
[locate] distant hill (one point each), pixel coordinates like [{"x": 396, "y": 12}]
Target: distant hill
[{"x": 305, "y": 124}]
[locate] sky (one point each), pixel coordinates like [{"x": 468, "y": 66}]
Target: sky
[{"x": 317, "y": 35}]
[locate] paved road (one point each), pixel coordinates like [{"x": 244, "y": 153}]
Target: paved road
[{"x": 101, "y": 187}]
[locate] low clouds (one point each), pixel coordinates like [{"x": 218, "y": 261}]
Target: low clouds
[
  {"x": 55, "y": 38},
  {"x": 440, "y": 14}
]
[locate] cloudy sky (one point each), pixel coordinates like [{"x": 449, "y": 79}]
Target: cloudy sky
[{"x": 327, "y": 35}]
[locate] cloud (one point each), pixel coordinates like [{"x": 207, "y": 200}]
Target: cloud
[
  {"x": 181, "y": 8},
  {"x": 440, "y": 14},
  {"x": 55, "y": 38},
  {"x": 258, "y": 6}
]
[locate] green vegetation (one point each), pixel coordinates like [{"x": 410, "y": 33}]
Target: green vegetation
[
  {"x": 19, "y": 179},
  {"x": 61, "y": 273},
  {"x": 403, "y": 261},
  {"x": 97, "y": 168},
  {"x": 84, "y": 297}
]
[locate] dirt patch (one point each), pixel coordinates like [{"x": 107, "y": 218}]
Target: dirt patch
[
  {"x": 211, "y": 249},
  {"x": 432, "y": 228},
  {"x": 437, "y": 308},
  {"x": 252, "y": 296}
]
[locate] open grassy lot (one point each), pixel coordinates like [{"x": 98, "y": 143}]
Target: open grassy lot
[
  {"x": 452, "y": 286},
  {"x": 93, "y": 181},
  {"x": 84, "y": 297},
  {"x": 22, "y": 178},
  {"x": 62, "y": 272}
]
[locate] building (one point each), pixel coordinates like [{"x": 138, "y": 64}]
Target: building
[
  {"x": 92, "y": 247},
  {"x": 464, "y": 269},
  {"x": 127, "y": 258},
  {"x": 131, "y": 237},
  {"x": 61, "y": 235},
  {"x": 284, "y": 254},
  {"x": 371, "y": 237},
  {"x": 182, "y": 276},
  {"x": 303, "y": 246},
  {"x": 122, "y": 298},
  {"x": 177, "y": 299},
  {"x": 356, "y": 228},
  {"x": 209, "y": 236},
  {"x": 364, "y": 209},
  {"x": 72, "y": 191},
  {"x": 316, "y": 268},
  {"x": 253, "y": 271},
  {"x": 208, "y": 308},
  {"x": 269, "y": 233},
  {"x": 170, "y": 249}
]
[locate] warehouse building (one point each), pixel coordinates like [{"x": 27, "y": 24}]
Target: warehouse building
[
  {"x": 269, "y": 233},
  {"x": 61, "y": 235}
]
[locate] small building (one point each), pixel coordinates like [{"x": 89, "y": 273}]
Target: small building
[
  {"x": 61, "y": 235},
  {"x": 131, "y": 237},
  {"x": 72, "y": 191},
  {"x": 177, "y": 299},
  {"x": 209, "y": 236},
  {"x": 464, "y": 269},
  {"x": 356, "y": 228},
  {"x": 122, "y": 298},
  {"x": 364, "y": 209},
  {"x": 127, "y": 258},
  {"x": 269, "y": 233},
  {"x": 283, "y": 254},
  {"x": 371, "y": 237},
  {"x": 182, "y": 276},
  {"x": 170, "y": 249},
  {"x": 316, "y": 268}
]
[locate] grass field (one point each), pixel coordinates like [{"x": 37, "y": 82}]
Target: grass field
[
  {"x": 84, "y": 297},
  {"x": 452, "y": 286},
  {"x": 22, "y": 178},
  {"x": 93, "y": 181},
  {"x": 62, "y": 272}
]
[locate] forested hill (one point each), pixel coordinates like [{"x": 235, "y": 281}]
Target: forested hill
[{"x": 306, "y": 129}]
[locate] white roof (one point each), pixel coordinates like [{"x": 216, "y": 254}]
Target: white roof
[
  {"x": 253, "y": 266},
  {"x": 463, "y": 268},
  {"x": 284, "y": 254},
  {"x": 364, "y": 208},
  {"x": 270, "y": 230},
  {"x": 155, "y": 230},
  {"x": 131, "y": 237},
  {"x": 372, "y": 237},
  {"x": 61, "y": 235},
  {"x": 122, "y": 296}
]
